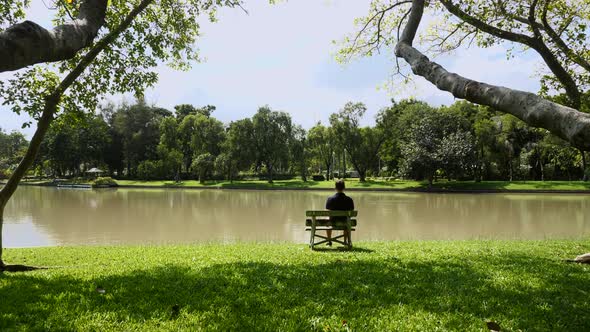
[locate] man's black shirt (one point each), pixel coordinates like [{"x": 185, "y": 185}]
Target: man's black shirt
[{"x": 339, "y": 202}]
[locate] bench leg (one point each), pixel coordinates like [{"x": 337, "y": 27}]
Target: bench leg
[
  {"x": 349, "y": 233},
  {"x": 312, "y": 237}
]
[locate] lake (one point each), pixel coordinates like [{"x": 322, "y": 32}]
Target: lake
[{"x": 47, "y": 216}]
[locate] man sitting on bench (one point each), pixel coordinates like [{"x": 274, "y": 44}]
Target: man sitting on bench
[{"x": 340, "y": 202}]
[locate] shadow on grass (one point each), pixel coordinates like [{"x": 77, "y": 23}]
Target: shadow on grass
[
  {"x": 371, "y": 295},
  {"x": 337, "y": 248}
]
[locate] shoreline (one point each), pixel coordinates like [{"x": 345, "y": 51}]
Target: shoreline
[{"x": 350, "y": 189}]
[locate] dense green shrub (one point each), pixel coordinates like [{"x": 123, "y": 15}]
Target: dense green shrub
[
  {"x": 105, "y": 181},
  {"x": 318, "y": 177}
]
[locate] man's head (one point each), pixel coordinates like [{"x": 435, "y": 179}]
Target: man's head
[{"x": 340, "y": 186}]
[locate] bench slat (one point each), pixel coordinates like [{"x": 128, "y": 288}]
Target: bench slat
[
  {"x": 330, "y": 213},
  {"x": 328, "y": 222},
  {"x": 329, "y": 228}
]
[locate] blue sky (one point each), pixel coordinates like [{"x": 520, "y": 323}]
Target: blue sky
[{"x": 282, "y": 55}]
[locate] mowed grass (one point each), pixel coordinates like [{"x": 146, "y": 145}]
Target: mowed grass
[
  {"x": 279, "y": 184},
  {"x": 352, "y": 184},
  {"x": 379, "y": 286},
  {"x": 377, "y": 184}
]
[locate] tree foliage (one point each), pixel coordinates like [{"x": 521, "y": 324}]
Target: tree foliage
[
  {"x": 322, "y": 145},
  {"x": 272, "y": 130},
  {"x": 361, "y": 144}
]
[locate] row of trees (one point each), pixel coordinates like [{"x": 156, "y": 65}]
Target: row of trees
[
  {"x": 410, "y": 139},
  {"x": 12, "y": 149},
  {"x": 467, "y": 141}
]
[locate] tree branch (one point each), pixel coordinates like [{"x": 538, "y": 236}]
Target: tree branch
[
  {"x": 565, "y": 122},
  {"x": 559, "y": 42},
  {"x": 494, "y": 31},
  {"x": 381, "y": 14},
  {"x": 517, "y": 18},
  {"x": 535, "y": 43},
  {"x": 28, "y": 43}
]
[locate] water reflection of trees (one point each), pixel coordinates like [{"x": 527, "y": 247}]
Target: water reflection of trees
[
  {"x": 162, "y": 216},
  {"x": 468, "y": 216}
]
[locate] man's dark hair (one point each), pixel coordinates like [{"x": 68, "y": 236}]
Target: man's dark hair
[{"x": 340, "y": 185}]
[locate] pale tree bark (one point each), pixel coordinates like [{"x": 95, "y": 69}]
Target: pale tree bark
[
  {"x": 28, "y": 43},
  {"x": 51, "y": 107},
  {"x": 562, "y": 121}
]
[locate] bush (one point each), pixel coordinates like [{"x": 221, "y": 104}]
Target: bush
[
  {"x": 150, "y": 169},
  {"x": 277, "y": 176},
  {"x": 104, "y": 182},
  {"x": 318, "y": 177}
]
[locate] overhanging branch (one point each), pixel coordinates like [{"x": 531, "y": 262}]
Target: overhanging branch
[
  {"x": 28, "y": 43},
  {"x": 562, "y": 121}
]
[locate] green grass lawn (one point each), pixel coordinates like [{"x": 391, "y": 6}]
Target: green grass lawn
[{"x": 380, "y": 286}]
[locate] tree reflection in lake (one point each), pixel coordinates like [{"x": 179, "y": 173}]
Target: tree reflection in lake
[{"x": 49, "y": 216}]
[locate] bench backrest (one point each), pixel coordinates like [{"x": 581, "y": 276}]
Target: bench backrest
[{"x": 330, "y": 213}]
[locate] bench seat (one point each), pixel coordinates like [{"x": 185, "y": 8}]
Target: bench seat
[{"x": 320, "y": 221}]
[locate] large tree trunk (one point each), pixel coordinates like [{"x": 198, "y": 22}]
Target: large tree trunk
[
  {"x": 303, "y": 171},
  {"x": 42, "y": 127},
  {"x": 565, "y": 122},
  {"x": 584, "y": 178},
  {"x": 362, "y": 177},
  {"x": 1, "y": 237},
  {"x": 28, "y": 43},
  {"x": 343, "y": 165},
  {"x": 269, "y": 169},
  {"x": 50, "y": 108}
]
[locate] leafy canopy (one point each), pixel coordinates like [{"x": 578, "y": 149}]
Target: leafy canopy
[{"x": 165, "y": 32}]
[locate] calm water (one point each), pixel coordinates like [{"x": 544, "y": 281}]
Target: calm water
[{"x": 49, "y": 216}]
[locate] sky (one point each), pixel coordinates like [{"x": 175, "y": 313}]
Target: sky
[{"x": 282, "y": 56}]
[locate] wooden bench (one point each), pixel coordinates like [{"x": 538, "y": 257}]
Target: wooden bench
[{"x": 320, "y": 221}]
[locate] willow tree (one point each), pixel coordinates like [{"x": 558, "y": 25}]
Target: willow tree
[
  {"x": 555, "y": 29},
  {"x": 137, "y": 36}
]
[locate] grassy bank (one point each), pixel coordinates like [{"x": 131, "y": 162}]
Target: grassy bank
[
  {"x": 354, "y": 184},
  {"x": 407, "y": 286},
  {"x": 379, "y": 185}
]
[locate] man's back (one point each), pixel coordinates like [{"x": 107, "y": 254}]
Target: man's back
[{"x": 339, "y": 202}]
